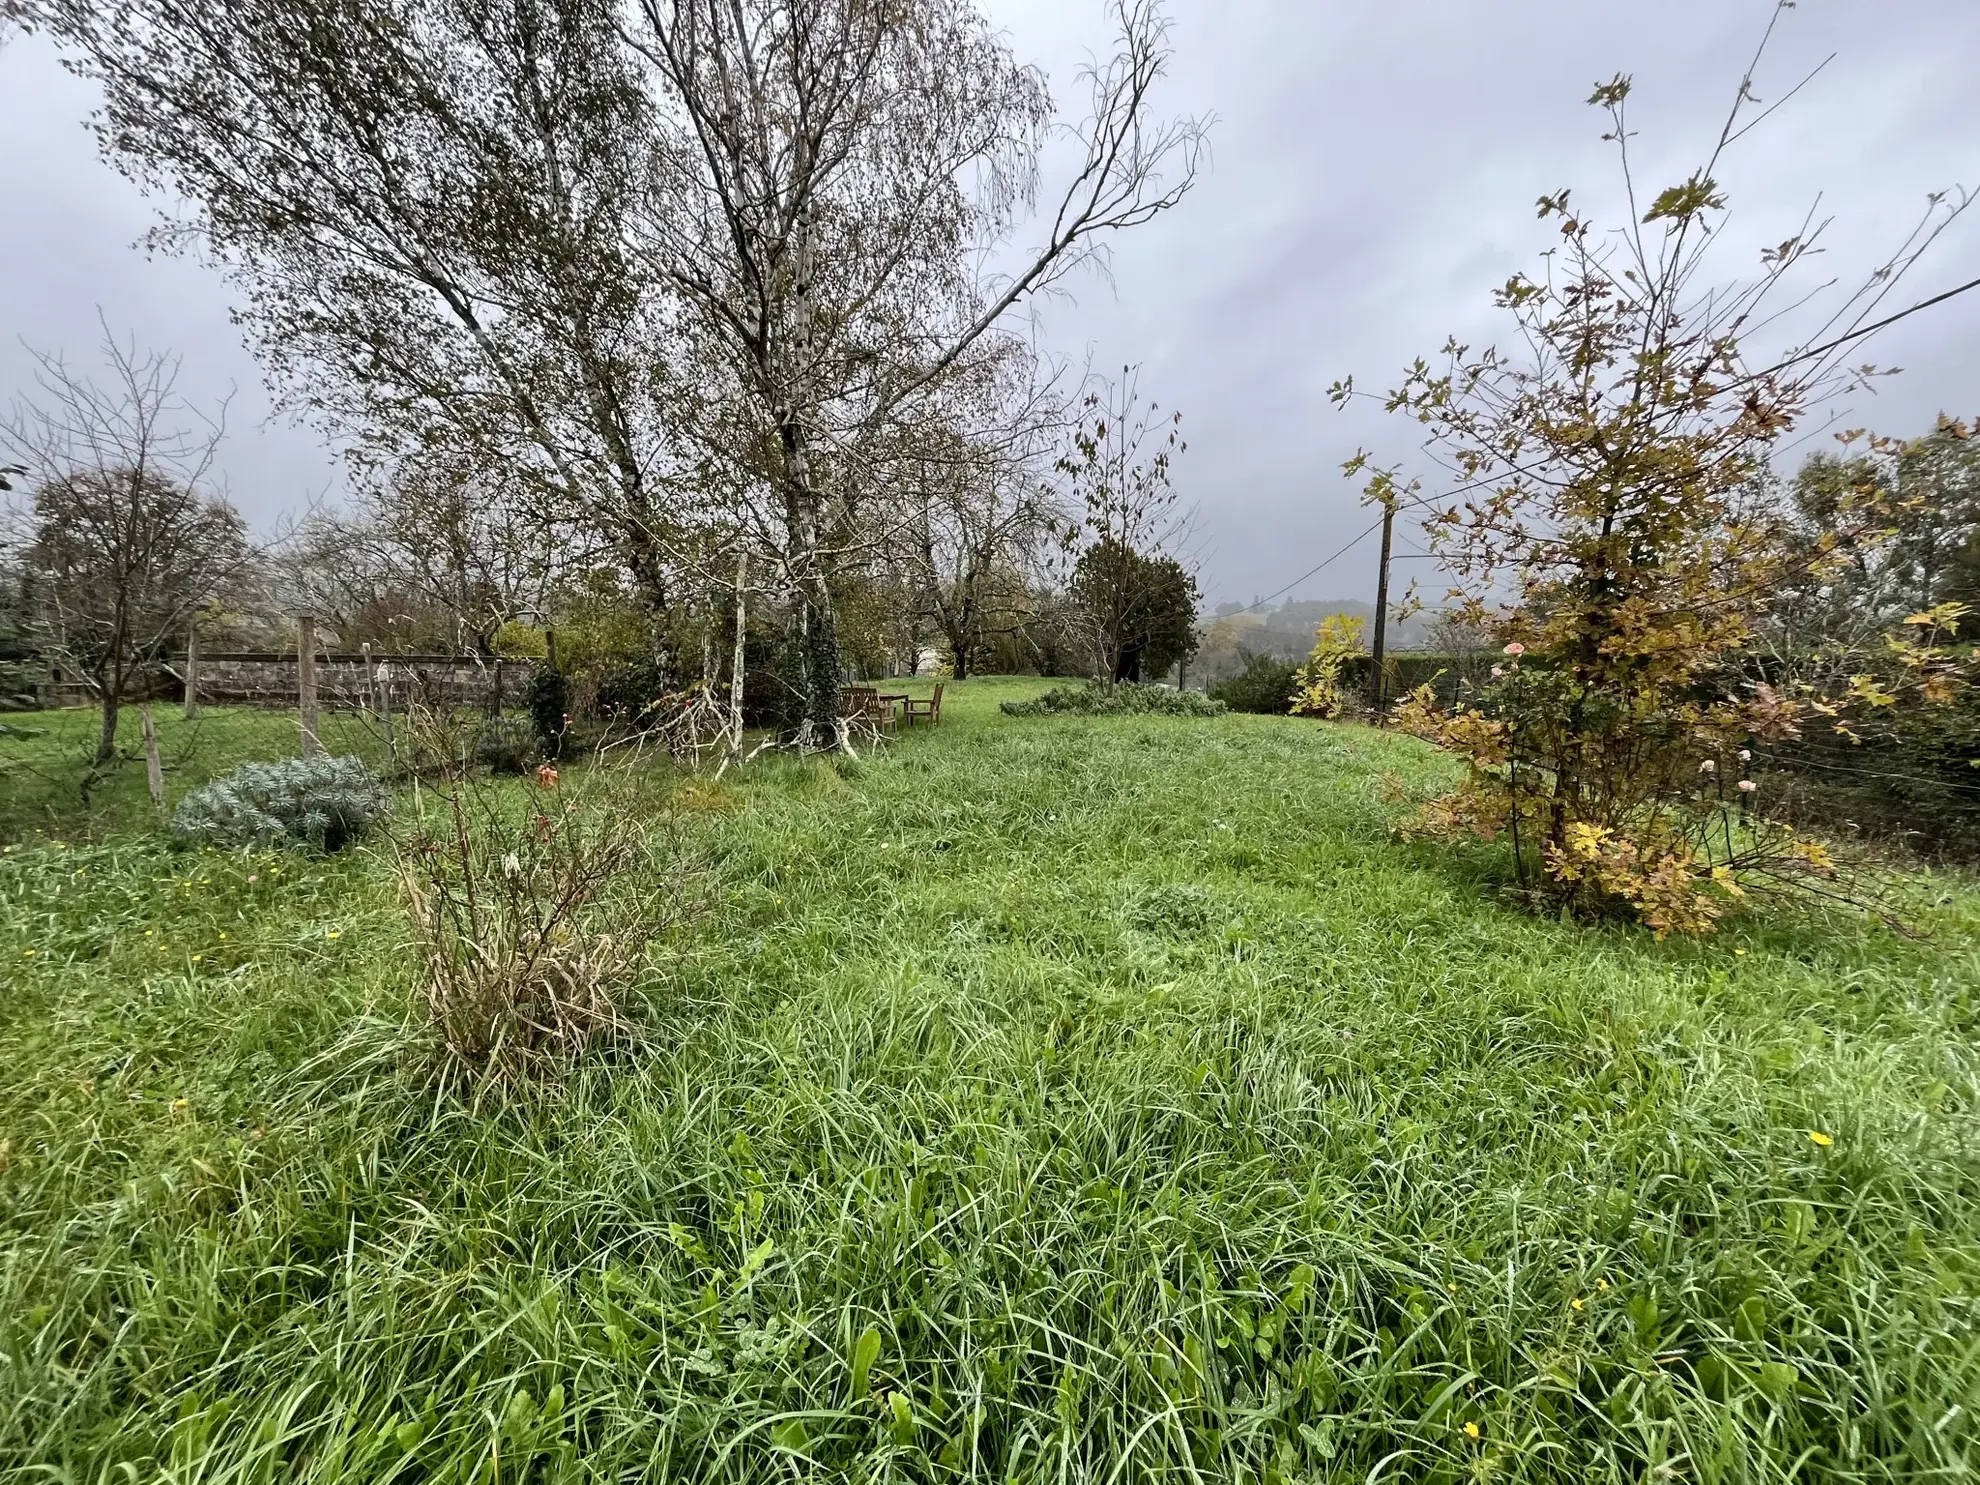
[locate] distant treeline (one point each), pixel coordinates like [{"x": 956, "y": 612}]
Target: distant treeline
[{"x": 1235, "y": 632}]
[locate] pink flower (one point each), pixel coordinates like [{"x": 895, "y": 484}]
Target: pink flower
[
  {"x": 1747, "y": 786},
  {"x": 1515, "y": 649},
  {"x": 1497, "y": 671},
  {"x": 1708, "y": 766},
  {"x": 1746, "y": 755},
  {"x": 546, "y": 777}
]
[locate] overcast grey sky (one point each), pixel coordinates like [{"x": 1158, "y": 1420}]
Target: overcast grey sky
[{"x": 1374, "y": 170}]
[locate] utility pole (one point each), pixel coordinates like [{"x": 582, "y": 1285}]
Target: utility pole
[{"x": 1377, "y": 650}]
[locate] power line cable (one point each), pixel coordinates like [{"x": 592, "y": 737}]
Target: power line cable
[
  {"x": 1871, "y": 329},
  {"x": 1272, "y": 597},
  {"x": 1789, "y": 765}
]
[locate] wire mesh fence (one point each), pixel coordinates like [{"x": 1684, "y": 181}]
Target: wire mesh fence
[{"x": 57, "y": 779}]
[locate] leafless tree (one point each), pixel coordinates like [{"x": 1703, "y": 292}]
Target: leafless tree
[
  {"x": 834, "y": 173},
  {"x": 982, "y": 512},
  {"x": 435, "y": 555},
  {"x": 122, "y": 541},
  {"x": 1131, "y": 537}
]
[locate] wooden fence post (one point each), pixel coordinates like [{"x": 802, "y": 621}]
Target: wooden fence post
[
  {"x": 192, "y": 674},
  {"x": 550, "y": 648},
  {"x": 383, "y": 693},
  {"x": 306, "y": 683},
  {"x": 154, "y": 768}
]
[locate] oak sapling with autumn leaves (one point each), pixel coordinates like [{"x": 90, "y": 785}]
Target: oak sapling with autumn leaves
[{"x": 1610, "y": 529}]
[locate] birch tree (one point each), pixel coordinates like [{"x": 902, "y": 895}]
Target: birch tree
[{"x": 834, "y": 172}]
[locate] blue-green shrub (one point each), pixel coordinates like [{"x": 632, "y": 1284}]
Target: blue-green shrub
[{"x": 321, "y": 802}]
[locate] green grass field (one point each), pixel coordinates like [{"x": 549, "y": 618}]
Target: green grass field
[{"x": 1102, "y": 1100}]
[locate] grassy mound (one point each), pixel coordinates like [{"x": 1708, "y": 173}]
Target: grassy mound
[{"x": 1096, "y": 1102}]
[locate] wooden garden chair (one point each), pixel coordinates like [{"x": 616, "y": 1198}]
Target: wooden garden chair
[{"x": 931, "y": 709}]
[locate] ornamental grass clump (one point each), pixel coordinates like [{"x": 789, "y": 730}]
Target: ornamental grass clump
[
  {"x": 536, "y": 905},
  {"x": 324, "y": 803}
]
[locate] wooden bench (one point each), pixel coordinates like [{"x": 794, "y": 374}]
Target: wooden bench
[{"x": 865, "y": 707}]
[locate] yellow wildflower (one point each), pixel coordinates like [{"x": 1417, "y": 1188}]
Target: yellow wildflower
[
  {"x": 1820, "y": 1138},
  {"x": 1471, "y": 1430},
  {"x": 180, "y": 1105},
  {"x": 1574, "y": 1304}
]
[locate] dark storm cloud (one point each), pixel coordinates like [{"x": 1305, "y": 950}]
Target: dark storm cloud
[{"x": 1375, "y": 168}]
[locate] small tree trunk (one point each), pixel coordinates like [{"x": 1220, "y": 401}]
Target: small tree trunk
[
  {"x": 192, "y": 674},
  {"x": 818, "y": 720},
  {"x": 106, "y": 742},
  {"x": 736, "y": 661},
  {"x": 820, "y": 727},
  {"x": 306, "y": 684},
  {"x": 154, "y": 767}
]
